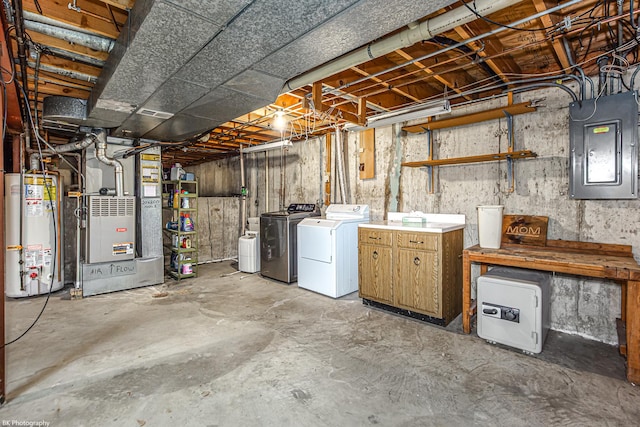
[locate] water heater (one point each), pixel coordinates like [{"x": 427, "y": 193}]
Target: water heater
[{"x": 33, "y": 234}]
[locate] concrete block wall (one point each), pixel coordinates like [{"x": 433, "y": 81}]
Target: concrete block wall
[{"x": 587, "y": 307}]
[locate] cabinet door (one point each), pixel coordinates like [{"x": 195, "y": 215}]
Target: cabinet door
[
  {"x": 374, "y": 273},
  {"x": 416, "y": 281}
]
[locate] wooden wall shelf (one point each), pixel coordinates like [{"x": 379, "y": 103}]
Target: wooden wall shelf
[
  {"x": 472, "y": 159},
  {"x": 510, "y": 155},
  {"x": 481, "y": 116}
]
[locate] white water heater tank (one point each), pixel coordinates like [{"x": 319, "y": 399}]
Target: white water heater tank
[{"x": 32, "y": 210}]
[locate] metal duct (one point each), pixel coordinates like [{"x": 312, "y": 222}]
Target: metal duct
[
  {"x": 56, "y": 29},
  {"x": 64, "y": 72},
  {"x": 76, "y": 56},
  {"x": 101, "y": 155},
  {"x": 412, "y": 35},
  {"x": 34, "y": 158},
  {"x": 178, "y": 71}
]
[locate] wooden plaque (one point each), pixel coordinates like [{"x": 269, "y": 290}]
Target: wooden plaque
[{"x": 524, "y": 229}]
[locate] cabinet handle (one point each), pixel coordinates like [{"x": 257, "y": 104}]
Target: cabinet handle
[
  {"x": 375, "y": 254},
  {"x": 416, "y": 261},
  {"x": 416, "y": 242},
  {"x": 374, "y": 238}
]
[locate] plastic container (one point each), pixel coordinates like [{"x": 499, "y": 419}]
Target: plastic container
[
  {"x": 176, "y": 199},
  {"x": 186, "y": 223},
  {"x": 490, "y": 226},
  {"x": 176, "y": 172}
]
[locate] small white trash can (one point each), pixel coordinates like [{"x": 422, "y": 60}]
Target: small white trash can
[{"x": 490, "y": 226}]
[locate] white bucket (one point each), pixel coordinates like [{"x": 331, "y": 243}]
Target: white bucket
[{"x": 490, "y": 226}]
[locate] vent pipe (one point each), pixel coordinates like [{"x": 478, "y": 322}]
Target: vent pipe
[
  {"x": 101, "y": 155},
  {"x": 53, "y": 28},
  {"x": 34, "y": 158},
  {"x": 412, "y": 35},
  {"x": 64, "y": 72}
]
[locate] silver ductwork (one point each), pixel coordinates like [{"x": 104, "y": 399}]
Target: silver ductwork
[
  {"x": 64, "y": 72},
  {"x": 34, "y": 158},
  {"x": 101, "y": 155},
  {"x": 50, "y": 27},
  {"x": 176, "y": 71}
]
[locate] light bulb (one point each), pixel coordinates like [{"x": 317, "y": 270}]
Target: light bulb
[{"x": 279, "y": 122}]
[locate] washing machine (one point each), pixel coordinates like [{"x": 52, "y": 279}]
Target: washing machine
[
  {"x": 279, "y": 241},
  {"x": 513, "y": 307}
]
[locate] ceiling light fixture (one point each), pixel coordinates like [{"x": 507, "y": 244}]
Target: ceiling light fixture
[
  {"x": 279, "y": 122},
  {"x": 285, "y": 143},
  {"x": 392, "y": 117}
]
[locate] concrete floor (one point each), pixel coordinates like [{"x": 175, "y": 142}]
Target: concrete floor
[{"x": 238, "y": 350}]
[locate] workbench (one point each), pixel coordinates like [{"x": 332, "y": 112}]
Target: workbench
[{"x": 598, "y": 260}]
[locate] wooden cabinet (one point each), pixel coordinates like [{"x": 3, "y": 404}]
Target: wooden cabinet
[
  {"x": 374, "y": 265},
  {"x": 412, "y": 271}
]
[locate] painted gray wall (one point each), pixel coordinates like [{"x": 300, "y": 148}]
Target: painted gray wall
[{"x": 582, "y": 306}]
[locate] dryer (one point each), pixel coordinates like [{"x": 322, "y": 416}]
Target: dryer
[{"x": 328, "y": 250}]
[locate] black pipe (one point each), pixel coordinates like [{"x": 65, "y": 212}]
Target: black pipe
[
  {"x": 545, "y": 84},
  {"x": 602, "y": 77},
  {"x": 572, "y": 62},
  {"x": 532, "y": 80},
  {"x": 633, "y": 77},
  {"x": 22, "y": 58}
]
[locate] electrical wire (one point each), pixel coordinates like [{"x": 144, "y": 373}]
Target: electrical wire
[{"x": 484, "y": 18}]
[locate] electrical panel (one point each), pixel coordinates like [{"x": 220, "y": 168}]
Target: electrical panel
[{"x": 604, "y": 155}]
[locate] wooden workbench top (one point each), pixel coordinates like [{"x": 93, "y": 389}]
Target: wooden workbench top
[{"x": 579, "y": 258}]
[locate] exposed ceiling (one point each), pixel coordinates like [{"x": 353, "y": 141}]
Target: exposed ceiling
[{"x": 203, "y": 77}]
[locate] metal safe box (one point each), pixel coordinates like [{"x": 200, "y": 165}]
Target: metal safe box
[{"x": 513, "y": 307}]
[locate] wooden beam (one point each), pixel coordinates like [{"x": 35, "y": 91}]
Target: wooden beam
[
  {"x": 362, "y": 111},
  {"x": 386, "y": 85},
  {"x": 59, "y": 11},
  {"x": 498, "y": 65},
  {"x": 451, "y": 85},
  {"x": 120, "y": 4},
  {"x": 53, "y": 89},
  {"x": 547, "y": 21},
  {"x": 481, "y": 116},
  {"x": 316, "y": 97},
  {"x": 12, "y": 100},
  {"x": 471, "y": 159}
]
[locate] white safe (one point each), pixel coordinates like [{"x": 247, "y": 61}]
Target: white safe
[{"x": 513, "y": 307}]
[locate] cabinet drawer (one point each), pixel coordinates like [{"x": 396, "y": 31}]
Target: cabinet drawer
[
  {"x": 423, "y": 241},
  {"x": 374, "y": 236}
]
